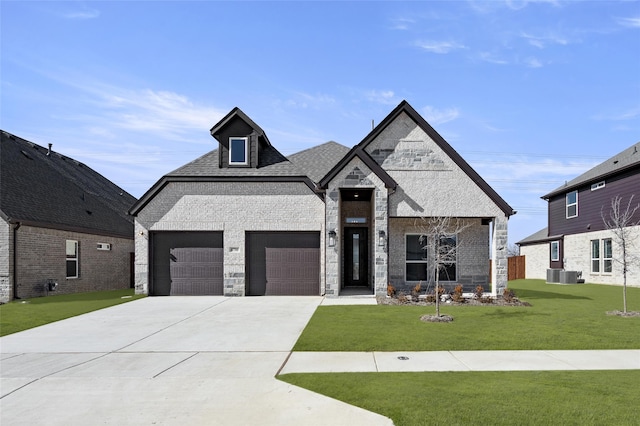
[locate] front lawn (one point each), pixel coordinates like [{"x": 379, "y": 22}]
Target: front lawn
[
  {"x": 21, "y": 315},
  {"x": 561, "y": 317},
  {"x": 487, "y": 398}
]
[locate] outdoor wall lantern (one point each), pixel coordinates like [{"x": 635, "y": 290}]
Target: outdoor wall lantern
[
  {"x": 381, "y": 238},
  {"x": 332, "y": 238}
]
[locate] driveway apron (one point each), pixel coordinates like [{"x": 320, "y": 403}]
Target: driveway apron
[{"x": 167, "y": 360}]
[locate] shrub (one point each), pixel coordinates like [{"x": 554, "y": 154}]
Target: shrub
[
  {"x": 487, "y": 299},
  {"x": 457, "y": 294},
  {"x": 391, "y": 290},
  {"x": 416, "y": 289},
  {"x": 479, "y": 291},
  {"x": 508, "y": 295}
]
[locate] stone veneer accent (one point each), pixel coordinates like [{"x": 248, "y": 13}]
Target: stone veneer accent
[
  {"x": 473, "y": 253},
  {"x": 233, "y": 208},
  {"x": 6, "y": 262},
  {"x": 356, "y": 175}
]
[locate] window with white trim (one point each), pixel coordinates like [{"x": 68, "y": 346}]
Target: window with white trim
[
  {"x": 416, "y": 258},
  {"x": 555, "y": 251},
  {"x": 238, "y": 151},
  {"x": 602, "y": 256},
  {"x": 572, "y": 204},
  {"x": 595, "y": 256},
  {"x": 72, "y": 258},
  {"x": 597, "y": 186},
  {"x": 607, "y": 256}
]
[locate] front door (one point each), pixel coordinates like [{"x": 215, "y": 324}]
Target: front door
[{"x": 356, "y": 257}]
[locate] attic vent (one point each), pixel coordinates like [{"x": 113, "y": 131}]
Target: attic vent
[
  {"x": 26, "y": 155},
  {"x": 104, "y": 246}
]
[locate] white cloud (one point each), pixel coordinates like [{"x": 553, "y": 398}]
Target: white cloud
[
  {"x": 402, "y": 23},
  {"x": 533, "y": 63},
  {"x": 437, "y": 116},
  {"x": 439, "y": 46},
  {"x": 630, "y": 114},
  {"x": 542, "y": 41},
  {"x": 386, "y": 97},
  {"x": 492, "y": 59},
  {"x": 629, "y": 22},
  {"x": 83, "y": 14}
]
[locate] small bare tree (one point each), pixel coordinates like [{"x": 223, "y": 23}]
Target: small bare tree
[
  {"x": 439, "y": 236},
  {"x": 513, "y": 250},
  {"x": 621, "y": 223}
]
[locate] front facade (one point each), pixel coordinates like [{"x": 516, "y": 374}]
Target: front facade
[
  {"x": 577, "y": 238},
  {"x": 244, "y": 220},
  {"x": 63, "y": 227}
]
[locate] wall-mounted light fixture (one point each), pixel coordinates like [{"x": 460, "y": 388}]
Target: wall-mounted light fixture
[
  {"x": 382, "y": 238},
  {"x": 332, "y": 238}
]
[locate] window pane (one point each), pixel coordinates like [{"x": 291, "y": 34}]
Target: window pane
[
  {"x": 572, "y": 211},
  {"x": 416, "y": 271},
  {"x": 238, "y": 152},
  {"x": 571, "y": 197},
  {"x": 72, "y": 248},
  {"x": 608, "y": 249},
  {"x": 608, "y": 266},
  {"x": 447, "y": 272},
  {"x": 72, "y": 268},
  {"x": 595, "y": 249},
  {"x": 356, "y": 257},
  {"x": 595, "y": 265},
  {"x": 555, "y": 252},
  {"x": 416, "y": 247}
]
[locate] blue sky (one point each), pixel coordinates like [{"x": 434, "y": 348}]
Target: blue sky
[{"x": 530, "y": 93}]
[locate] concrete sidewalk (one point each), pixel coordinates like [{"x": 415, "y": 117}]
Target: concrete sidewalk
[{"x": 338, "y": 362}]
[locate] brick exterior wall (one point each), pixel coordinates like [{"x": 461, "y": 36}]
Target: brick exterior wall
[
  {"x": 473, "y": 250},
  {"x": 536, "y": 258},
  {"x": 430, "y": 184},
  {"x": 41, "y": 255},
  {"x": 231, "y": 207},
  {"x": 577, "y": 254}
]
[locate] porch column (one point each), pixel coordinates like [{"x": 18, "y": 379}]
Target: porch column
[
  {"x": 499, "y": 255},
  {"x": 332, "y": 258}
]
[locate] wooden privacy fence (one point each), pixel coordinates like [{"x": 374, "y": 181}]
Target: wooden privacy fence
[{"x": 515, "y": 268}]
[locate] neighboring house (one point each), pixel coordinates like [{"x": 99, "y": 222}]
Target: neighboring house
[
  {"x": 61, "y": 222},
  {"x": 246, "y": 220},
  {"x": 576, "y": 238}
]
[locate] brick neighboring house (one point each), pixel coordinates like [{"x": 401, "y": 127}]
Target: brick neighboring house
[
  {"x": 245, "y": 220},
  {"x": 61, "y": 221},
  {"x": 576, "y": 238}
]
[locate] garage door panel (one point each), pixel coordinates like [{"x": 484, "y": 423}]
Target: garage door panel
[
  {"x": 283, "y": 263},
  {"x": 187, "y": 263}
]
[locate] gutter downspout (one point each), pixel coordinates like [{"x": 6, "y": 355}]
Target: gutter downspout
[{"x": 16, "y": 226}]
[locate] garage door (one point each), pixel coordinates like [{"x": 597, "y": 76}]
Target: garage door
[
  {"x": 187, "y": 263},
  {"x": 283, "y": 263}
]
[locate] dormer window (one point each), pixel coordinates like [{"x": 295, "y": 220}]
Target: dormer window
[{"x": 238, "y": 151}]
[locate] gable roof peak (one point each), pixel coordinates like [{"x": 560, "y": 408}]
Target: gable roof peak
[{"x": 236, "y": 112}]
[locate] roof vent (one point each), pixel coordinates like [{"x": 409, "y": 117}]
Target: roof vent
[{"x": 49, "y": 151}]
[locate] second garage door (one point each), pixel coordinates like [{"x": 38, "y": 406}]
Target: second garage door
[{"x": 283, "y": 263}]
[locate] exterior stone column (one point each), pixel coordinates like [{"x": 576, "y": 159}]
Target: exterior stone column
[
  {"x": 332, "y": 257},
  {"x": 141, "y": 238},
  {"x": 499, "y": 261},
  {"x": 381, "y": 267}
]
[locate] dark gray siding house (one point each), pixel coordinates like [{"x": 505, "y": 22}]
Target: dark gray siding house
[
  {"x": 244, "y": 220},
  {"x": 576, "y": 237},
  {"x": 61, "y": 222}
]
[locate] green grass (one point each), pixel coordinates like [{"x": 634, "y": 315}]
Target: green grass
[
  {"x": 21, "y": 315},
  {"x": 561, "y": 317},
  {"x": 487, "y": 398}
]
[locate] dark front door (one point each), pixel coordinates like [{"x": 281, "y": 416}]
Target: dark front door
[{"x": 356, "y": 257}]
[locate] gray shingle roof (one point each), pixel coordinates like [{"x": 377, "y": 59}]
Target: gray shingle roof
[
  {"x": 59, "y": 192},
  {"x": 620, "y": 162},
  {"x": 317, "y": 161}
]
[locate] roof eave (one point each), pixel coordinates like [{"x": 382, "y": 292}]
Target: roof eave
[{"x": 577, "y": 185}]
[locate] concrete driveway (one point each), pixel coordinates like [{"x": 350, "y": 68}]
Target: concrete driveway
[{"x": 171, "y": 360}]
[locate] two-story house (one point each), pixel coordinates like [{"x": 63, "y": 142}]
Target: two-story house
[
  {"x": 244, "y": 219},
  {"x": 576, "y": 238}
]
